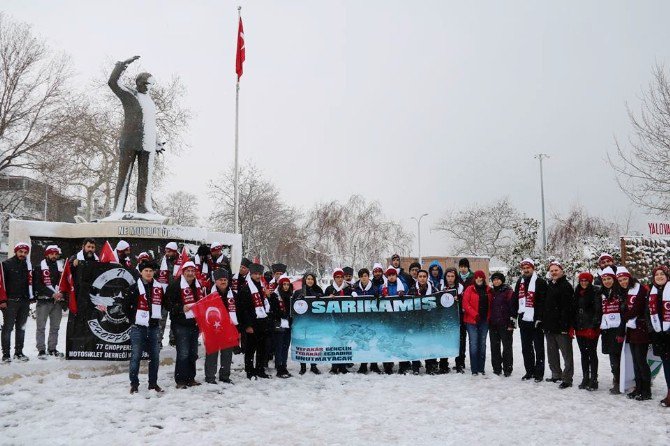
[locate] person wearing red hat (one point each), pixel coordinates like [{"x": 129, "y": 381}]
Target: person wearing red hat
[
  {"x": 180, "y": 296},
  {"x": 637, "y": 333},
  {"x": 529, "y": 293},
  {"x": 50, "y": 301},
  {"x": 587, "y": 329},
  {"x": 605, "y": 260},
  {"x": 280, "y": 308},
  {"x": 15, "y": 298},
  {"x": 477, "y": 301},
  {"x": 613, "y": 304},
  {"x": 658, "y": 302}
]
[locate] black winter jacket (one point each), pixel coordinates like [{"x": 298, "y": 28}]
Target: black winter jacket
[
  {"x": 588, "y": 307},
  {"x": 16, "y": 278},
  {"x": 559, "y": 307}
]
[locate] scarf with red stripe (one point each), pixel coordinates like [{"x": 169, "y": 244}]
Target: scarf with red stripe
[
  {"x": 611, "y": 307},
  {"x": 630, "y": 302},
  {"x": 660, "y": 325},
  {"x": 230, "y": 298},
  {"x": 164, "y": 274},
  {"x": 46, "y": 274},
  {"x": 144, "y": 313},
  {"x": 527, "y": 298},
  {"x": 187, "y": 296},
  {"x": 261, "y": 303}
]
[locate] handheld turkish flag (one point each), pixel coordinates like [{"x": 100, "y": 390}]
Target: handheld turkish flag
[
  {"x": 107, "y": 255},
  {"x": 240, "y": 56},
  {"x": 66, "y": 285},
  {"x": 218, "y": 332},
  {"x": 3, "y": 291},
  {"x": 183, "y": 258}
]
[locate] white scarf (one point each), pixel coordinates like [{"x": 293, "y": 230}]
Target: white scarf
[
  {"x": 527, "y": 300},
  {"x": 611, "y": 314},
  {"x": 45, "y": 267},
  {"x": 656, "y": 322},
  {"x": 430, "y": 289},
  {"x": 184, "y": 285},
  {"x": 261, "y": 311},
  {"x": 632, "y": 294},
  {"x": 80, "y": 256},
  {"x": 142, "y": 316},
  {"x": 232, "y": 307}
]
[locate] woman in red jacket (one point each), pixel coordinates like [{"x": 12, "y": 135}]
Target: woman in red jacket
[{"x": 477, "y": 300}]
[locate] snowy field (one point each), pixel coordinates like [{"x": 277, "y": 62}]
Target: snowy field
[{"x": 58, "y": 402}]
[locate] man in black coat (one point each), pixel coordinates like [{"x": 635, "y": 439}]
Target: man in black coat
[
  {"x": 559, "y": 310},
  {"x": 15, "y": 301},
  {"x": 529, "y": 293},
  {"x": 252, "y": 314}
]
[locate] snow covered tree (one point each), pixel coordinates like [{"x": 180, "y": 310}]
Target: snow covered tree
[
  {"x": 643, "y": 169},
  {"x": 482, "y": 230},
  {"x": 181, "y": 206}
]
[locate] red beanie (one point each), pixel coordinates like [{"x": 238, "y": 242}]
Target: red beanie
[
  {"x": 586, "y": 276},
  {"x": 480, "y": 273}
]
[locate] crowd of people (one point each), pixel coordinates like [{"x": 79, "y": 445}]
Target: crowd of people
[{"x": 613, "y": 307}]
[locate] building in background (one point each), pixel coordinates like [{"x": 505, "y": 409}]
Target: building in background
[{"x": 25, "y": 198}]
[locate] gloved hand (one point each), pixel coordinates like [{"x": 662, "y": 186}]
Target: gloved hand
[
  {"x": 538, "y": 324},
  {"x": 512, "y": 323},
  {"x": 401, "y": 293},
  {"x": 620, "y": 339}
]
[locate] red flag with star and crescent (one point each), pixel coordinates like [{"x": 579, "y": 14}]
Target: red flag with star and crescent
[
  {"x": 239, "y": 57},
  {"x": 218, "y": 332}
]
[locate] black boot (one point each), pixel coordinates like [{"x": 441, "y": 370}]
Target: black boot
[
  {"x": 388, "y": 368},
  {"x": 363, "y": 369},
  {"x": 645, "y": 392},
  {"x": 593, "y": 384},
  {"x": 615, "y": 387},
  {"x": 636, "y": 391},
  {"x": 584, "y": 384},
  {"x": 260, "y": 372},
  {"x": 375, "y": 368},
  {"x": 303, "y": 368},
  {"x": 334, "y": 369},
  {"x": 314, "y": 369}
]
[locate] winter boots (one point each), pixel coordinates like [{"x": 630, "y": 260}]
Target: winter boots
[
  {"x": 644, "y": 393},
  {"x": 19, "y": 356},
  {"x": 303, "y": 368},
  {"x": 363, "y": 369},
  {"x": 615, "y": 386},
  {"x": 314, "y": 369},
  {"x": 133, "y": 389},
  {"x": 42, "y": 354},
  {"x": 282, "y": 372},
  {"x": 375, "y": 368}
]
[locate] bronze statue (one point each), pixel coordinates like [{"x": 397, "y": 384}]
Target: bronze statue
[{"x": 138, "y": 138}]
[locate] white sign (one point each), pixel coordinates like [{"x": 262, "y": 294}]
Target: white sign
[{"x": 659, "y": 229}]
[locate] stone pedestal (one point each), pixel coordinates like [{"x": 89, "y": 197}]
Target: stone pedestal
[{"x": 149, "y": 236}]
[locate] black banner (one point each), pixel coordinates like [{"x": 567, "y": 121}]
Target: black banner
[{"x": 100, "y": 330}]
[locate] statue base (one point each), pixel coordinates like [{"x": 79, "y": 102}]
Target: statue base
[{"x": 136, "y": 216}]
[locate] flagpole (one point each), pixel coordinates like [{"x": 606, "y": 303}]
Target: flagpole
[{"x": 237, "y": 171}]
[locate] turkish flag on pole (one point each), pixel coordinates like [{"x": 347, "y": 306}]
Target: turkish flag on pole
[
  {"x": 218, "y": 332},
  {"x": 107, "y": 255},
  {"x": 239, "y": 58},
  {"x": 66, "y": 285},
  {"x": 183, "y": 258}
]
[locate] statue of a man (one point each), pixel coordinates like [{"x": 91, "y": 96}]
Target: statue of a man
[{"x": 138, "y": 138}]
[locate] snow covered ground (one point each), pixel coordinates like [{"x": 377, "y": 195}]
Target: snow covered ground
[{"x": 58, "y": 402}]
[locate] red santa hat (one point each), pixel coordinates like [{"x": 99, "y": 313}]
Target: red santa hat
[
  {"x": 172, "y": 246},
  {"x": 143, "y": 256},
  {"x": 605, "y": 256},
  {"x": 622, "y": 271},
  {"x": 391, "y": 270},
  {"x": 122, "y": 245},
  {"x": 607, "y": 272},
  {"x": 527, "y": 262},
  {"x": 21, "y": 245},
  {"x": 216, "y": 246},
  {"x": 377, "y": 267},
  {"x": 52, "y": 249},
  {"x": 338, "y": 272},
  {"x": 187, "y": 265},
  {"x": 556, "y": 263}
]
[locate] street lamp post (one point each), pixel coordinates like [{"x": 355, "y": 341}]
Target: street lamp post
[
  {"x": 418, "y": 225},
  {"x": 542, "y": 156}
]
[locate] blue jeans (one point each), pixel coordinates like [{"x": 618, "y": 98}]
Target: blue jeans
[
  {"x": 282, "y": 343},
  {"x": 144, "y": 339},
  {"x": 477, "y": 337},
  {"x": 186, "y": 338}
]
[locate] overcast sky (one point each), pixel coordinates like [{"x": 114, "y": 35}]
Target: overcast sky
[{"x": 424, "y": 106}]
